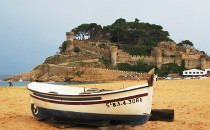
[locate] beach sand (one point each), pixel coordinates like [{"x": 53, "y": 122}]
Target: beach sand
[{"x": 189, "y": 98}]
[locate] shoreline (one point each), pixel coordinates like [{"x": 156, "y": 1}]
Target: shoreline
[{"x": 25, "y": 83}]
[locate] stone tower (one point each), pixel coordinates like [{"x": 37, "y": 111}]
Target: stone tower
[
  {"x": 203, "y": 62},
  {"x": 113, "y": 55},
  {"x": 69, "y": 41},
  {"x": 158, "y": 58}
]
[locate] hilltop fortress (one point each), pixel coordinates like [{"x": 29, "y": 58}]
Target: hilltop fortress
[
  {"x": 165, "y": 52},
  {"x": 84, "y": 66}
]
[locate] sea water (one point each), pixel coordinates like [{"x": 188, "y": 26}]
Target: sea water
[
  {"x": 6, "y": 84},
  {"x": 25, "y": 83}
]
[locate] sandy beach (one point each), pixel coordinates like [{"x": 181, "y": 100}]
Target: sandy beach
[{"x": 189, "y": 98}]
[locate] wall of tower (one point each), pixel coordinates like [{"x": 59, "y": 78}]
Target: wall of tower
[
  {"x": 113, "y": 55},
  {"x": 158, "y": 59},
  {"x": 203, "y": 62},
  {"x": 207, "y": 64},
  {"x": 69, "y": 41}
]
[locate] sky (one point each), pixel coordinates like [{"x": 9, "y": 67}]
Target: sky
[{"x": 32, "y": 30}]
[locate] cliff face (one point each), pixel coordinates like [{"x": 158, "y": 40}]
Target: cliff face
[{"x": 33, "y": 75}]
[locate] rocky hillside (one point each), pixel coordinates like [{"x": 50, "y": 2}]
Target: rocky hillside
[
  {"x": 58, "y": 73},
  {"x": 44, "y": 71},
  {"x": 72, "y": 57},
  {"x": 70, "y": 66}
]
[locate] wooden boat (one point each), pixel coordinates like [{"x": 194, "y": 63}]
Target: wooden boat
[{"x": 128, "y": 106}]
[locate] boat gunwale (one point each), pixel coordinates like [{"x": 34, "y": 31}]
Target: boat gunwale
[{"x": 92, "y": 94}]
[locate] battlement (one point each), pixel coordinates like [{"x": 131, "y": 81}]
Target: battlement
[
  {"x": 89, "y": 60},
  {"x": 69, "y": 33},
  {"x": 165, "y": 44}
]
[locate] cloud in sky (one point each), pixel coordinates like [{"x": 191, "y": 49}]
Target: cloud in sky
[{"x": 31, "y": 31}]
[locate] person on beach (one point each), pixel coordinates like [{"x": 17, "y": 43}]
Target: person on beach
[
  {"x": 138, "y": 79},
  {"x": 156, "y": 77},
  {"x": 10, "y": 83}
]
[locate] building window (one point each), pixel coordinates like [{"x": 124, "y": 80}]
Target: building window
[
  {"x": 208, "y": 72},
  {"x": 185, "y": 72},
  {"x": 193, "y": 72},
  {"x": 190, "y": 72},
  {"x": 197, "y": 72},
  {"x": 201, "y": 72}
]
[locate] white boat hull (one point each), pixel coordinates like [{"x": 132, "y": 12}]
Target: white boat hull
[{"x": 131, "y": 106}]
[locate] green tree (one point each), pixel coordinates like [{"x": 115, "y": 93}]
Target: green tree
[
  {"x": 186, "y": 43},
  {"x": 106, "y": 31},
  {"x": 171, "y": 68},
  {"x": 140, "y": 62},
  {"x": 81, "y": 31},
  {"x": 135, "y": 32},
  {"x": 94, "y": 30},
  {"x": 124, "y": 66},
  {"x": 135, "y": 50},
  {"x": 139, "y": 67},
  {"x": 116, "y": 33},
  {"x": 182, "y": 67},
  {"x": 120, "y": 22},
  {"x": 136, "y": 20},
  {"x": 183, "y": 64},
  {"x": 62, "y": 48}
]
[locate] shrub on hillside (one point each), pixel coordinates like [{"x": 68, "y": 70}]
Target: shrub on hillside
[
  {"x": 124, "y": 67},
  {"x": 76, "y": 49}
]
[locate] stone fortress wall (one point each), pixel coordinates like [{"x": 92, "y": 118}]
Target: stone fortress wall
[
  {"x": 208, "y": 64},
  {"x": 88, "y": 60},
  {"x": 165, "y": 52},
  {"x": 100, "y": 52},
  {"x": 192, "y": 63},
  {"x": 168, "y": 52},
  {"x": 89, "y": 73}
]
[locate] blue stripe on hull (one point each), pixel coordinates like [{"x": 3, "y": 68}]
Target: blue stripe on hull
[
  {"x": 67, "y": 98},
  {"x": 88, "y": 118}
]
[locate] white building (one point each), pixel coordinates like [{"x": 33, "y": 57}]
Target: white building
[
  {"x": 207, "y": 71},
  {"x": 195, "y": 72}
]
